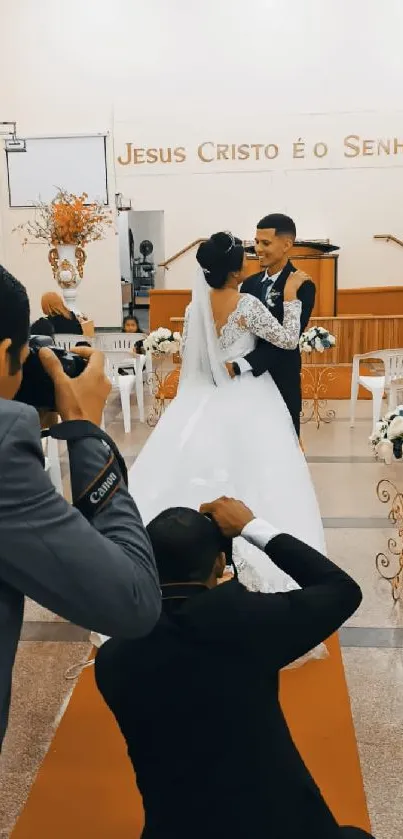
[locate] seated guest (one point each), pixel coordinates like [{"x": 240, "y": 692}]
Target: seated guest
[
  {"x": 197, "y": 700},
  {"x": 42, "y": 326},
  {"x": 131, "y": 326},
  {"x": 64, "y": 321}
]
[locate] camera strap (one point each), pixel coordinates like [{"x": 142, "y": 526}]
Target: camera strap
[{"x": 105, "y": 484}]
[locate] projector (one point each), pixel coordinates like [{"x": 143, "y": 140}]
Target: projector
[{"x": 15, "y": 145}]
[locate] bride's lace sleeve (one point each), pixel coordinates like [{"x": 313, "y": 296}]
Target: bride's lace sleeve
[
  {"x": 185, "y": 329},
  {"x": 254, "y": 316}
]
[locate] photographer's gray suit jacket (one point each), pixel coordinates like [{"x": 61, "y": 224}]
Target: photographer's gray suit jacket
[{"x": 101, "y": 576}]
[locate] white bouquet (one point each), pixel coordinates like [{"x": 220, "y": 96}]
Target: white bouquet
[
  {"x": 387, "y": 439},
  {"x": 316, "y": 339},
  {"x": 163, "y": 341}
]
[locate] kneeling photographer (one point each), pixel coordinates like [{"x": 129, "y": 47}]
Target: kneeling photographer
[
  {"x": 91, "y": 563},
  {"x": 197, "y": 700}
]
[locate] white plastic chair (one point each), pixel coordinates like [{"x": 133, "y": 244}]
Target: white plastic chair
[
  {"x": 111, "y": 342},
  {"x": 128, "y": 383},
  {"x": 116, "y": 346},
  {"x": 52, "y": 462},
  {"x": 389, "y": 382},
  {"x": 69, "y": 341}
]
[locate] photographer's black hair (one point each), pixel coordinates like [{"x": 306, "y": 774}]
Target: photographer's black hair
[
  {"x": 186, "y": 545},
  {"x": 14, "y": 316},
  {"x": 219, "y": 256},
  {"x": 283, "y": 225}
]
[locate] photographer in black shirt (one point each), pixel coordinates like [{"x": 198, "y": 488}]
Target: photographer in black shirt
[{"x": 198, "y": 699}]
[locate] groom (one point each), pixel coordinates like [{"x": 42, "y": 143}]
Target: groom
[{"x": 275, "y": 236}]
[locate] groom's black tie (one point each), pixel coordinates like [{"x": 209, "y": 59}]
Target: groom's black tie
[{"x": 266, "y": 286}]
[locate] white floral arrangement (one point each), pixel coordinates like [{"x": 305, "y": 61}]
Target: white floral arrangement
[
  {"x": 387, "y": 439},
  {"x": 163, "y": 342},
  {"x": 316, "y": 339}
]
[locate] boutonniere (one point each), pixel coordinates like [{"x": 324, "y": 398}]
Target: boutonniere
[{"x": 271, "y": 297}]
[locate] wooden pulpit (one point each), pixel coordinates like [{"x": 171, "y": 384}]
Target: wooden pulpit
[{"x": 319, "y": 260}]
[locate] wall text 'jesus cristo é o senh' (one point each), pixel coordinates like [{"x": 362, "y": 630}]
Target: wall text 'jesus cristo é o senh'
[{"x": 352, "y": 147}]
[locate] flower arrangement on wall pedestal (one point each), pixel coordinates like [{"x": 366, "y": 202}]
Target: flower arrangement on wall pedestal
[
  {"x": 67, "y": 225},
  {"x": 67, "y": 220}
]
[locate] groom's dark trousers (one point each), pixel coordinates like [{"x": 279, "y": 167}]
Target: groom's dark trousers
[
  {"x": 283, "y": 365},
  {"x": 197, "y": 702}
]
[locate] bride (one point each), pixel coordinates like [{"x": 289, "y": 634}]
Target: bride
[{"x": 234, "y": 437}]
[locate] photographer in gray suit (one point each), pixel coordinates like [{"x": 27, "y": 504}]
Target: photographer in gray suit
[{"x": 90, "y": 563}]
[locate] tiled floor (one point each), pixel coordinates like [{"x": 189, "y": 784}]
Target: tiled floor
[{"x": 345, "y": 477}]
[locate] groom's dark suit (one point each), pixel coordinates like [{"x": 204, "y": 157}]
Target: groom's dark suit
[{"x": 283, "y": 365}]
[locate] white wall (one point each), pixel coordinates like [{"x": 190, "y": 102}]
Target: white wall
[
  {"x": 99, "y": 294},
  {"x": 124, "y": 250},
  {"x": 173, "y": 73}
]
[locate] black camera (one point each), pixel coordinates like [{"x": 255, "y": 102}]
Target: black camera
[
  {"x": 226, "y": 546},
  {"x": 37, "y": 387}
]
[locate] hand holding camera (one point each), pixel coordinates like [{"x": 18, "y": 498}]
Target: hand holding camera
[
  {"x": 230, "y": 515},
  {"x": 82, "y": 397},
  {"x": 72, "y": 384}
]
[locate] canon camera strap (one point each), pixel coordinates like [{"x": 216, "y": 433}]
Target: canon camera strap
[{"x": 106, "y": 482}]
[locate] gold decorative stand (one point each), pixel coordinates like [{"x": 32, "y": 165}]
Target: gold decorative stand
[
  {"x": 164, "y": 385},
  {"x": 315, "y": 383},
  {"x": 388, "y": 493}
]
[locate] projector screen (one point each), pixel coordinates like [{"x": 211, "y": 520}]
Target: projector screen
[{"x": 77, "y": 164}]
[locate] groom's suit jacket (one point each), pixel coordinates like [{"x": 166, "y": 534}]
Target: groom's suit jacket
[
  {"x": 198, "y": 703},
  {"x": 283, "y": 365}
]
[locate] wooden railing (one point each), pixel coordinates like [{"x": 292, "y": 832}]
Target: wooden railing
[
  {"x": 389, "y": 238},
  {"x": 180, "y": 253}
]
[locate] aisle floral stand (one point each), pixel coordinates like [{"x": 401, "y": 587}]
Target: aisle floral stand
[
  {"x": 387, "y": 445},
  {"x": 315, "y": 377},
  {"x": 165, "y": 347}
]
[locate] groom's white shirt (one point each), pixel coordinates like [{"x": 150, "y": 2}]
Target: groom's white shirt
[
  {"x": 242, "y": 363},
  {"x": 259, "y": 533}
]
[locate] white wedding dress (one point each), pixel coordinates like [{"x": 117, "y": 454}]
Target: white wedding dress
[{"x": 233, "y": 437}]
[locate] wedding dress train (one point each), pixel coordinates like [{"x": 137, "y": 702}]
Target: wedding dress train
[{"x": 235, "y": 439}]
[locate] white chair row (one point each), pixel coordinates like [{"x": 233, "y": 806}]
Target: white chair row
[
  {"x": 52, "y": 462},
  {"x": 389, "y": 382},
  {"x": 117, "y": 346}
]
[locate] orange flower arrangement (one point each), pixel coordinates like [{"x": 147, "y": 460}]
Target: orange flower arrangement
[{"x": 67, "y": 220}]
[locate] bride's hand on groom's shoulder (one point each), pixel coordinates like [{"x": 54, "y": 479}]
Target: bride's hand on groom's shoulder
[
  {"x": 231, "y": 515},
  {"x": 293, "y": 284}
]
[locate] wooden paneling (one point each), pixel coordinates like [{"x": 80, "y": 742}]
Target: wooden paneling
[
  {"x": 166, "y": 304},
  {"x": 354, "y": 335},
  {"x": 382, "y": 300},
  {"x": 358, "y": 334},
  {"x": 387, "y": 300},
  {"x": 340, "y": 388},
  {"x": 321, "y": 268}
]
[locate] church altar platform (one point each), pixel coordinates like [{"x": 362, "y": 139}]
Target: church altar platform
[{"x": 354, "y": 334}]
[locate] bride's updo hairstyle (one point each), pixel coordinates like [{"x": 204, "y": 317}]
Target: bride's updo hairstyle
[{"x": 219, "y": 256}]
